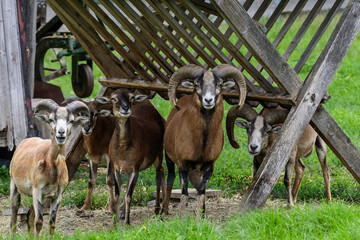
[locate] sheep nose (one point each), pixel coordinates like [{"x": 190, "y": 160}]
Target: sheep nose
[
  {"x": 125, "y": 108},
  {"x": 253, "y": 147},
  {"x": 61, "y": 132},
  {"x": 208, "y": 100}
]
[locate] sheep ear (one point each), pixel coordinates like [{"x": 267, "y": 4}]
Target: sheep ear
[
  {"x": 140, "y": 98},
  {"x": 241, "y": 124},
  {"x": 81, "y": 120},
  {"x": 187, "y": 84},
  {"x": 104, "y": 113},
  {"x": 103, "y": 100},
  {"x": 276, "y": 129},
  {"x": 228, "y": 85},
  {"x": 43, "y": 117}
]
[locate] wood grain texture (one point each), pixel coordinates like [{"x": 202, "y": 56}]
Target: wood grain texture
[{"x": 13, "y": 80}]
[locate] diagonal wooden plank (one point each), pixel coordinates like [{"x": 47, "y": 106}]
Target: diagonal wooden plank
[
  {"x": 300, "y": 115},
  {"x": 259, "y": 46}
]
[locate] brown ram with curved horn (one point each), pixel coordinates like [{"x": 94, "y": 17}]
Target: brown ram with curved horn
[
  {"x": 38, "y": 167},
  {"x": 194, "y": 136},
  {"x": 262, "y": 131}
]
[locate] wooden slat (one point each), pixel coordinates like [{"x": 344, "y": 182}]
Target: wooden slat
[
  {"x": 289, "y": 22},
  {"x": 260, "y": 11},
  {"x": 165, "y": 32},
  {"x": 146, "y": 85},
  {"x": 81, "y": 11},
  {"x": 269, "y": 24},
  {"x": 140, "y": 39},
  {"x": 260, "y": 47},
  {"x": 317, "y": 36},
  {"x": 229, "y": 31},
  {"x": 304, "y": 27},
  {"x": 134, "y": 47},
  {"x": 285, "y": 28},
  {"x": 199, "y": 50},
  {"x": 150, "y": 32},
  {"x": 193, "y": 28},
  {"x": 230, "y": 47},
  {"x": 89, "y": 40},
  {"x": 308, "y": 100}
]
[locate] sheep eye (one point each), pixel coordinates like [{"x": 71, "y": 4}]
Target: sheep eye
[{"x": 114, "y": 100}]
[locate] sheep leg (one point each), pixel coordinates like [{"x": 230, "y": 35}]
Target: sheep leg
[
  {"x": 160, "y": 182},
  {"x": 110, "y": 184},
  {"x": 170, "y": 181},
  {"x": 91, "y": 184},
  {"x": 37, "y": 204},
  {"x": 54, "y": 207},
  {"x": 299, "y": 174},
  {"x": 184, "y": 181},
  {"x": 320, "y": 147},
  {"x": 15, "y": 199},
  {"x": 206, "y": 172},
  {"x": 132, "y": 179},
  {"x": 288, "y": 176},
  {"x": 118, "y": 196}
]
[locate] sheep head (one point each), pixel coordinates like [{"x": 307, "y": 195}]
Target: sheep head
[
  {"x": 207, "y": 84},
  {"x": 259, "y": 128},
  {"x": 122, "y": 101},
  {"x": 96, "y": 108},
  {"x": 61, "y": 119}
]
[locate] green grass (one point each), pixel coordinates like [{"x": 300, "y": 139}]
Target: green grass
[{"x": 336, "y": 220}]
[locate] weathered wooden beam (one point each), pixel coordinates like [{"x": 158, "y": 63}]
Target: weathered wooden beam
[
  {"x": 259, "y": 46},
  {"x": 308, "y": 100},
  {"x": 158, "y": 87}
]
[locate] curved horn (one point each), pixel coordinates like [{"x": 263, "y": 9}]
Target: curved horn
[
  {"x": 246, "y": 112},
  {"x": 48, "y": 105},
  {"x": 276, "y": 116},
  {"x": 190, "y": 71},
  {"x": 227, "y": 71},
  {"x": 71, "y": 99},
  {"x": 78, "y": 107}
]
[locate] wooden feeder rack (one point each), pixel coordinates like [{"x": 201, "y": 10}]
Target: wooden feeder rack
[{"x": 161, "y": 36}]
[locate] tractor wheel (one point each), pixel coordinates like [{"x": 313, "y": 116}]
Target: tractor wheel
[{"x": 84, "y": 85}]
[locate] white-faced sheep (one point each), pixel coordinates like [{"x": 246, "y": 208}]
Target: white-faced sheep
[
  {"x": 38, "y": 167},
  {"x": 262, "y": 130},
  {"x": 97, "y": 133},
  {"x": 137, "y": 143},
  {"x": 194, "y": 136}
]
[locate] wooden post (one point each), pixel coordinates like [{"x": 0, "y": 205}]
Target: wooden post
[{"x": 308, "y": 100}]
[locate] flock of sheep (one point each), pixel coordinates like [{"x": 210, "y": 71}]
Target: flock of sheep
[{"x": 130, "y": 135}]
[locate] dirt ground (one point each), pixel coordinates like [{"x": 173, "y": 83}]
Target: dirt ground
[{"x": 71, "y": 219}]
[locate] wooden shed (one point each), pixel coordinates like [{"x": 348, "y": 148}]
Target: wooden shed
[
  {"x": 162, "y": 35},
  {"x": 15, "y": 90}
]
